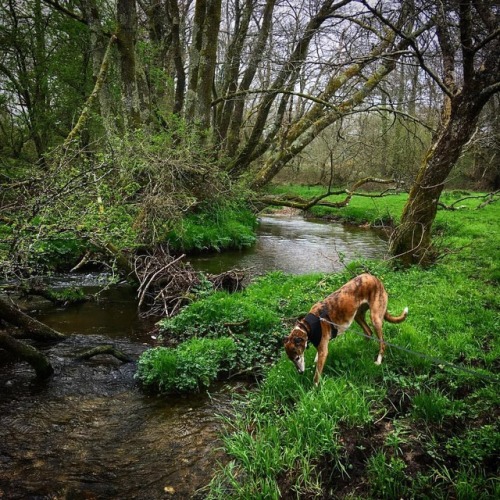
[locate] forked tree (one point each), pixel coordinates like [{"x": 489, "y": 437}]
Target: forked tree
[{"x": 468, "y": 36}]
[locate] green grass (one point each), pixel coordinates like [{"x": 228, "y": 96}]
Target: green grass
[
  {"x": 413, "y": 424},
  {"x": 361, "y": 210},
  {"x": 217, "y": 227},
  {"x": 411, "y": 428}
]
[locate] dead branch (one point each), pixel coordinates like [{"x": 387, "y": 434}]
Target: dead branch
[
  {"x": 166, "y": 282},
  {"x": 30, "y": 327},
  {"x": 104, "y": 349},
  {"x": 305, "y": 204},
  {"x": 231, "y": 281},
  {"x": 488, "y": 198}
]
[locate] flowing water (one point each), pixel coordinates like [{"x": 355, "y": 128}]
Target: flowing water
[
  {"x": 90, "y": 431},
  {"x": 295, "y": 245}
]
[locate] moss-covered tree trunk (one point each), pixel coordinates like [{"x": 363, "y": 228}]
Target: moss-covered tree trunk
[
  {"x": 30, "y": 326},
  {"x": 27, "y": 353},
  {"x": 99, "y": 44},
  {"x": 412, "y": 239},
  {"x": 203, "y": 58},
  {"x": 126, "y": 35}
]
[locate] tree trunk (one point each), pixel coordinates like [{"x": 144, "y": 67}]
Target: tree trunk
[
  {"x": 99, "y": 83},
  {"x": 411, "y": 240},
  {"x": 232, "y": 69},
  {"x": 30, "y": 326},
  {"x": 233, "y": 132},
  {"x": 27, "y": 353},
  {"x": 126, "y": 35},
  {"x": 98, "y": 43},
  {"x": 285, "y": 78},
  {"x": 203, "y": 57}
]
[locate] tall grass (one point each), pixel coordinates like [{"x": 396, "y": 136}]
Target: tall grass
[{"x": 217, "y": 227}]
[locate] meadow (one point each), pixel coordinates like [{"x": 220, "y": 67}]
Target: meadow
[{"x": 421, "y": 425}]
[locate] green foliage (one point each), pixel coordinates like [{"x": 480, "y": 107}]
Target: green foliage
[
  {"x": 71, "y": 295},
  {"x": 475, "y": 446},
  {"x": 218, "y": 227},
  {"x": 387, "y": 476},
  {"x": 137, "y": 191},
  {"x": 193, "y": 365}
]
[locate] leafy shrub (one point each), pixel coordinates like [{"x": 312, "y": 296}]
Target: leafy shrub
[{"x": 193, "y": 365}]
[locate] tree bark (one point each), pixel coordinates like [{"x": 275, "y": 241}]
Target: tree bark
[
  {"x": 411, "y": 241},
  {"x": 27, "y": 353},
  {"x": 233, "y": 133},
  {"x": 101, "y": 78},
  {"x": 126, "y": 35},
  {"x": 231, "y": 70},
  {"x": 202, "y": 65},
  {"x": 31, "y": 327},
  {"x": 466, "y": 93},
  {"x": 98, "y": 43}
]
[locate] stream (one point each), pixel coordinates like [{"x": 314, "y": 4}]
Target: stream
[{"x": 90, "y": 432}]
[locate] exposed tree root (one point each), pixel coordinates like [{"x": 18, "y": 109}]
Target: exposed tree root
[{"x": 28, "y": 353}]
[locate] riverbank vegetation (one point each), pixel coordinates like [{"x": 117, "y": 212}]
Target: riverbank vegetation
[{"x": 417, "y": 426}]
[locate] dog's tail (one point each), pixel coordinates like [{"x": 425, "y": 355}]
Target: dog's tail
[{"x": 396, "y": 319}]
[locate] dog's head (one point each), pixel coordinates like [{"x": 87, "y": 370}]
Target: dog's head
[{"x": 295, "y": 345}]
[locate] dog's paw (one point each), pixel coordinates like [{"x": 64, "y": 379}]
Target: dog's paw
[{"x": 378, "y": 362}]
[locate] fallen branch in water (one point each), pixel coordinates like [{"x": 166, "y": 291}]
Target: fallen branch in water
[
  {"x": 103, "y": 349},
  {"x": 30, "y": 327},
  {"x": 28, "y": 353}
]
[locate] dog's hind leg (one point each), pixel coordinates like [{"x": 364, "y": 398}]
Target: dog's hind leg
[
  {"x": 377, "y": 325},
  {"x": 361, "y": 321}
]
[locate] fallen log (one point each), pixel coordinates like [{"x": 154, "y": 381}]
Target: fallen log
[
  {"x": 28, "y": 353},
  {"x": 31, "y": 328},
  {"x": 306, "y": 204}
]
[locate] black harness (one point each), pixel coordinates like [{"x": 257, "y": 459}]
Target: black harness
[{"x": 314, "y": 323}]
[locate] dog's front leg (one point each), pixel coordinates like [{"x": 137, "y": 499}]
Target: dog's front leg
[{"x": 321, "y": 357}]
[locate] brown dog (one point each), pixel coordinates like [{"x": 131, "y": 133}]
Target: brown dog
[{"x": 334, "y": 315}]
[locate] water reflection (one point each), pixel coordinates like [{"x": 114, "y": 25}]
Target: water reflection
[
  {"x": 298, "y": 246},
  {"x": 89, "y": 432}
]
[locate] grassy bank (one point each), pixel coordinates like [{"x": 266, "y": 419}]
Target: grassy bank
[
  {"x": 411, "y": 428},
  {"x": 41, "y": 246}
]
